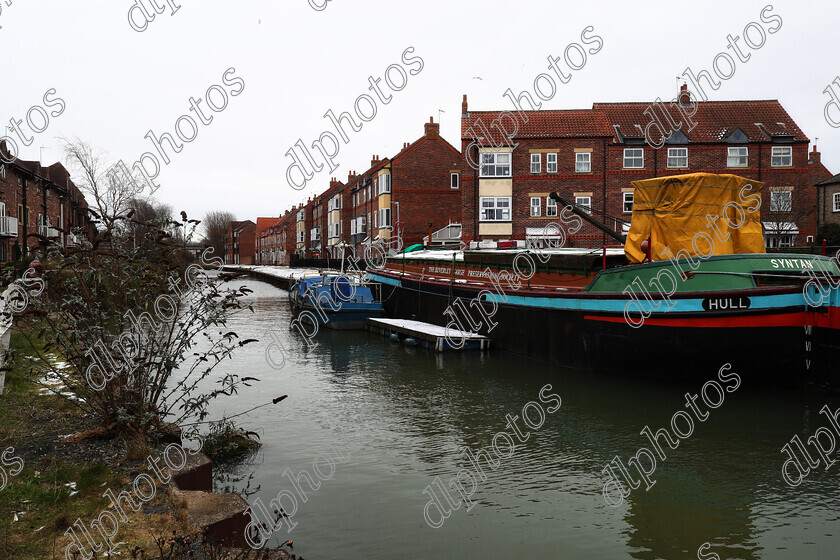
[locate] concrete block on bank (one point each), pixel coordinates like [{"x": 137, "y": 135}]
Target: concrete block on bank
[
  {"x": 197, "y": 474},
  {"x": 222, "y": 515}
]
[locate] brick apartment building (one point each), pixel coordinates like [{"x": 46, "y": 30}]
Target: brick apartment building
[
  {"x": 240, "y": 242},
  {"x": 410, "y": 194},
  {"x": 276, "y": 243},
  {"x": 266, "y": 243},
  {"x": 591, "y": 156},
  {"x": 828, "y": 199},
  {"x": 39, "y": 206}
]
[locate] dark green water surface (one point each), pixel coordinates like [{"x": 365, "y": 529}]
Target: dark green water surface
[{"x": 400, "y": 417}]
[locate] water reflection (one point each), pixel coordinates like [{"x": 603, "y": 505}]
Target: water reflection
[{"x": 722, "y": 485}]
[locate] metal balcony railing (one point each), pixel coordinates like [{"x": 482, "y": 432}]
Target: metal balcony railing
[
  {"x": 8, "y": 226},
  {"x": 47, "y": 231}
]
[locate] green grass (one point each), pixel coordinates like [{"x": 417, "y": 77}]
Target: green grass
[{"x": 39, "y": 495}]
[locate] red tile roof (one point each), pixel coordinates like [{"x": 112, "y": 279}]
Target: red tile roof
[
  {"x": 573, "y": 123},
  {"x": 716, "y": 120}
]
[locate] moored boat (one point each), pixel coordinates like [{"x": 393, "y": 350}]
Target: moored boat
[
  {"x": 668, "y": 308},
  {"x": 335, "y": 301}
]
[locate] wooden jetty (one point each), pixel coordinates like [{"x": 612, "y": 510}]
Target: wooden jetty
[{"x": 426, "y": 335}]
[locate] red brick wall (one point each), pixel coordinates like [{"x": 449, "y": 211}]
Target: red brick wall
[
  {"x": 709, "y": 158},
  {"x": 420, "y": 183}
]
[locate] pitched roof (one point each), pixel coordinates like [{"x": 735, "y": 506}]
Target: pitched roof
[
  {"x": 830, "y": 181},
  {"x": 716, "y": 120},
  {"x": 566, "y": 123},
  {"x": 265, "y": 223}
]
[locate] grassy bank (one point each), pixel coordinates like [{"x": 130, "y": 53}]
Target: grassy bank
[{"x": 62, "y": 481}]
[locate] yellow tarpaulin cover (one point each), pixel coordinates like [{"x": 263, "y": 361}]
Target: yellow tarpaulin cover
[{"x": 674, "y": 210}]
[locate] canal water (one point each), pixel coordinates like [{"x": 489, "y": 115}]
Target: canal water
[{"x": 394, "y": 418}]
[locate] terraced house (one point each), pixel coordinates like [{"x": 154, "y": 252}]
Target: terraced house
[
  {"x": 240, "y": 242},
  {"x": 412, "y": 193},
  {"x": 39, "y": 206},
  {"x": 591, "y": 156}
]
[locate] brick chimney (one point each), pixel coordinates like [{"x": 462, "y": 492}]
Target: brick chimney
[
  {"x": 351, "y": 175},
  {"x": 432, "y": 128},
  {"x": 464, "y": 106},
  {"x": 374, "y": 160},
  {"x": 4, "y": 152},
  {"x": 685, "y": 96},
  {"x": 814, "y": 156}
]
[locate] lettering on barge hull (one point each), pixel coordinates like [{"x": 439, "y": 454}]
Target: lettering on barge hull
[
  {"x": 724, "y": 304},
  {"x": 797, "y": 264}
]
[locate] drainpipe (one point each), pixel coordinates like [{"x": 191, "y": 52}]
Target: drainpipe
[
  {"x": 476, "y": 209},
  {"x": 24, "y": 218},
  {"x": 604, "y": 213}
]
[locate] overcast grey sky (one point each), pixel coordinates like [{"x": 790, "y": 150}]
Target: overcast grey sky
[{"x": 298, "y": 62}]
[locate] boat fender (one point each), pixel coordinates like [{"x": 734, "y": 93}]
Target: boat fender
[
  {"x": 395, "y": 337},
  {"x": 411, "y": 341}
]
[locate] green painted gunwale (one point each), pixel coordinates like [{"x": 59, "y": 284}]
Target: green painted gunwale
[{"x": 712, "y": 273}]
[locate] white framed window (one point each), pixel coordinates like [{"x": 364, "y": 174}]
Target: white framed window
[
  {"x": 634, "y": 158},
  {"x": 737, "y": 157},
  {"x": 781, "y": 156},
  {"x": 809, "y": 239},
  {"x": 352, "y": 227},
  {"x": 384, "y": 217},
  {"x": 495, "y": 164},
  {"x": 362, "y": 227},
  {"x": 781, "y": 201},
  {"x": 585, "y": 202},
  {"x": 495, "y": 208},
  {"x": 300, "y": 216},
  {"x": 385, "y": 183},
  {"x": 2, "y": 209},
  {"x": 677, "y": 157},
  {"x": 315, "y": 234},
  {"x": 2, "y": 171},
  {"x": 583, "y": 162},
  {"x": 454, "y": 180},
  {"x": 536, "y": 206},
  {"x": 301, "y": 237},
  {"x": 774, "y": 241},
  {"x": 550, "y": 207},
  {"x": 836, "y": 197},
  {"x": 551, "y": 163},
  {"x": 627, "y": 202},
  {"x": 536, "y": 163}
]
